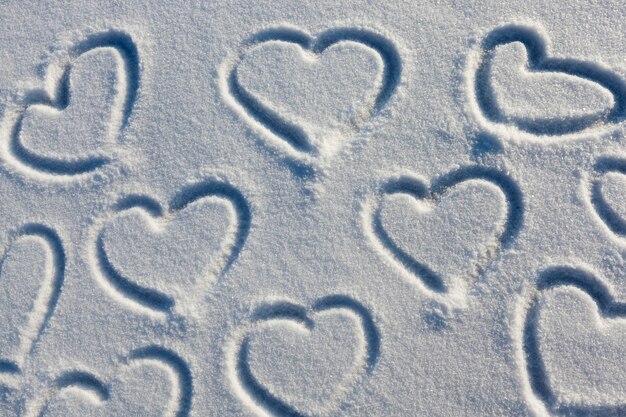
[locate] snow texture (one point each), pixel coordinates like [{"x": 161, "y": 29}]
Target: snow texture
[{"x": 298, "y": 208}]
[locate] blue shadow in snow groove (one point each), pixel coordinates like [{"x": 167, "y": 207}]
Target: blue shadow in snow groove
[
  {"x": 180, "y": 367},
  {"x": 285, "y": 310},
  {"x": 120, "y": 41},
  {"x": 539, "y": 61},
  {"x": 566, "y": 276},
  {"x": 294, "y": 135},
  {"x": 154, "y": 299},
  {"x": 419, "y": 190},
  {"x": 614, "y": 221}
]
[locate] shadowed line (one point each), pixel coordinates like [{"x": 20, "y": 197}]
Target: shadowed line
[
  {"x": 146, "y": 203},
  {"x": 383, "y": 46},
  {"x": 9, "y": 367},
  {"x": 291, "y": 133},
  {"x": 611, "y": 218},
  {"x": 566, "y": 276},
  {"x": 419, "y": 190},
  {"x": 54, "y": 243},
  {"x": 431, "y": 279},
  {"x": 284, "y": 310},
  {"x": 146, "y": 297},
  {"x": 261, "y": 396},
  {"x": 534, "y": 365},
  {"x": 513, "y": 195},
  {"x": 538, "y": 61},
  {"x": 586, "y": 282},
  {"x": 127, "y": 48},
  {"x": 47, "y": 164},
  {"x": 372, "y": 335},
  {"x": 124, "y": 45},
  {"x": 228, "y": 192},
  {"x": 154, "y": 299},
  {"x": 173, "y": 361},
  {"x": 84, "y": 381}
]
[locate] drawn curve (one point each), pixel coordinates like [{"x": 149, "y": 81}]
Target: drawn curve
[
  {"x": 153, "y": 299},
  {"x": 607, "y": 214},
  {"x": 586, "y": 281},
  {"x": 84, "y": 381},
  {"x": 290, "y": 133},
  {"x": 537, "y": 48},
  {"x": 92, "y": 385},
  {"x": 440, "y": 186},
  {"x": 55, "y": 245},
  {"x": 286, "y": 310},
  {"x": 60, "y": 98},
  {"x": 184, "y": 377}
]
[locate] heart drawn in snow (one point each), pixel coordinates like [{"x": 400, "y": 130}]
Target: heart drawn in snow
[
  {"x": 516, "y": 83},
  {"x": 31, "y": 277},
  {"x": 573, "y": 340},
  {"x": 465, "y": 216},
  {"x": 155, "y": 382},
  {"x": 155, "y": 257},
  {"x": 298, "y": 361},
  {"x": 306, "y": 93},
  {"x": 74, "y": 129}
]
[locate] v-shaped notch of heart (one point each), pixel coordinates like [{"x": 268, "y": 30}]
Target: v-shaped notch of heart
[{"x": 286, "y": 135}]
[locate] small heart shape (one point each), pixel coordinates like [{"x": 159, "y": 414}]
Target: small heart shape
[
  {"x": 155, "y": 382},
  {"x": 321, "y": 353},
  {"x": 31, "y": 277},
  {"x": 153, "y": 258},
  {"x": 305, "y": 93},
  {"x": 575, "y": 344},
  {"x": 517, "y": 84},
  {"x": 74, "y": 129},
  {"x": 466, "y": 216}
]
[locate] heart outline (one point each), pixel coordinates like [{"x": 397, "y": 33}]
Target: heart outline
[
  {"x": 532, "y": 367},
  {"x": 416, "y": 188},
  {"x": 151, "y": 299},
  {"x": 286, "y": 135},
  {"x": 537, "y": 45},
  {"x": 242, "y": 379},
  {"x": 15, "y": 153}
]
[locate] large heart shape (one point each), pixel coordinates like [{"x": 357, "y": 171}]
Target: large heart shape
[
  {"x": 608, "y": 193},
  {"x": 152, "y": 257},
  {"x": 155, "y": 382},
  {"x": 466, "y": 216},
  {"x": 74, "y": 129},
  {"x": 322, "y": 352},
  {"x": 31, "y": 277},
  {"x": 574, "y": 343},
  {"x": 516, "y": 84},
  {"x": 305, "y": 93}
]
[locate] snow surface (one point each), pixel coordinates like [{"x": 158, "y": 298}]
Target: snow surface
[{"x": 344, "y": 208}]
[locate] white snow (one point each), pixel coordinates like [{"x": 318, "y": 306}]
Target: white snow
[{"x": 298, "y": 208}]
